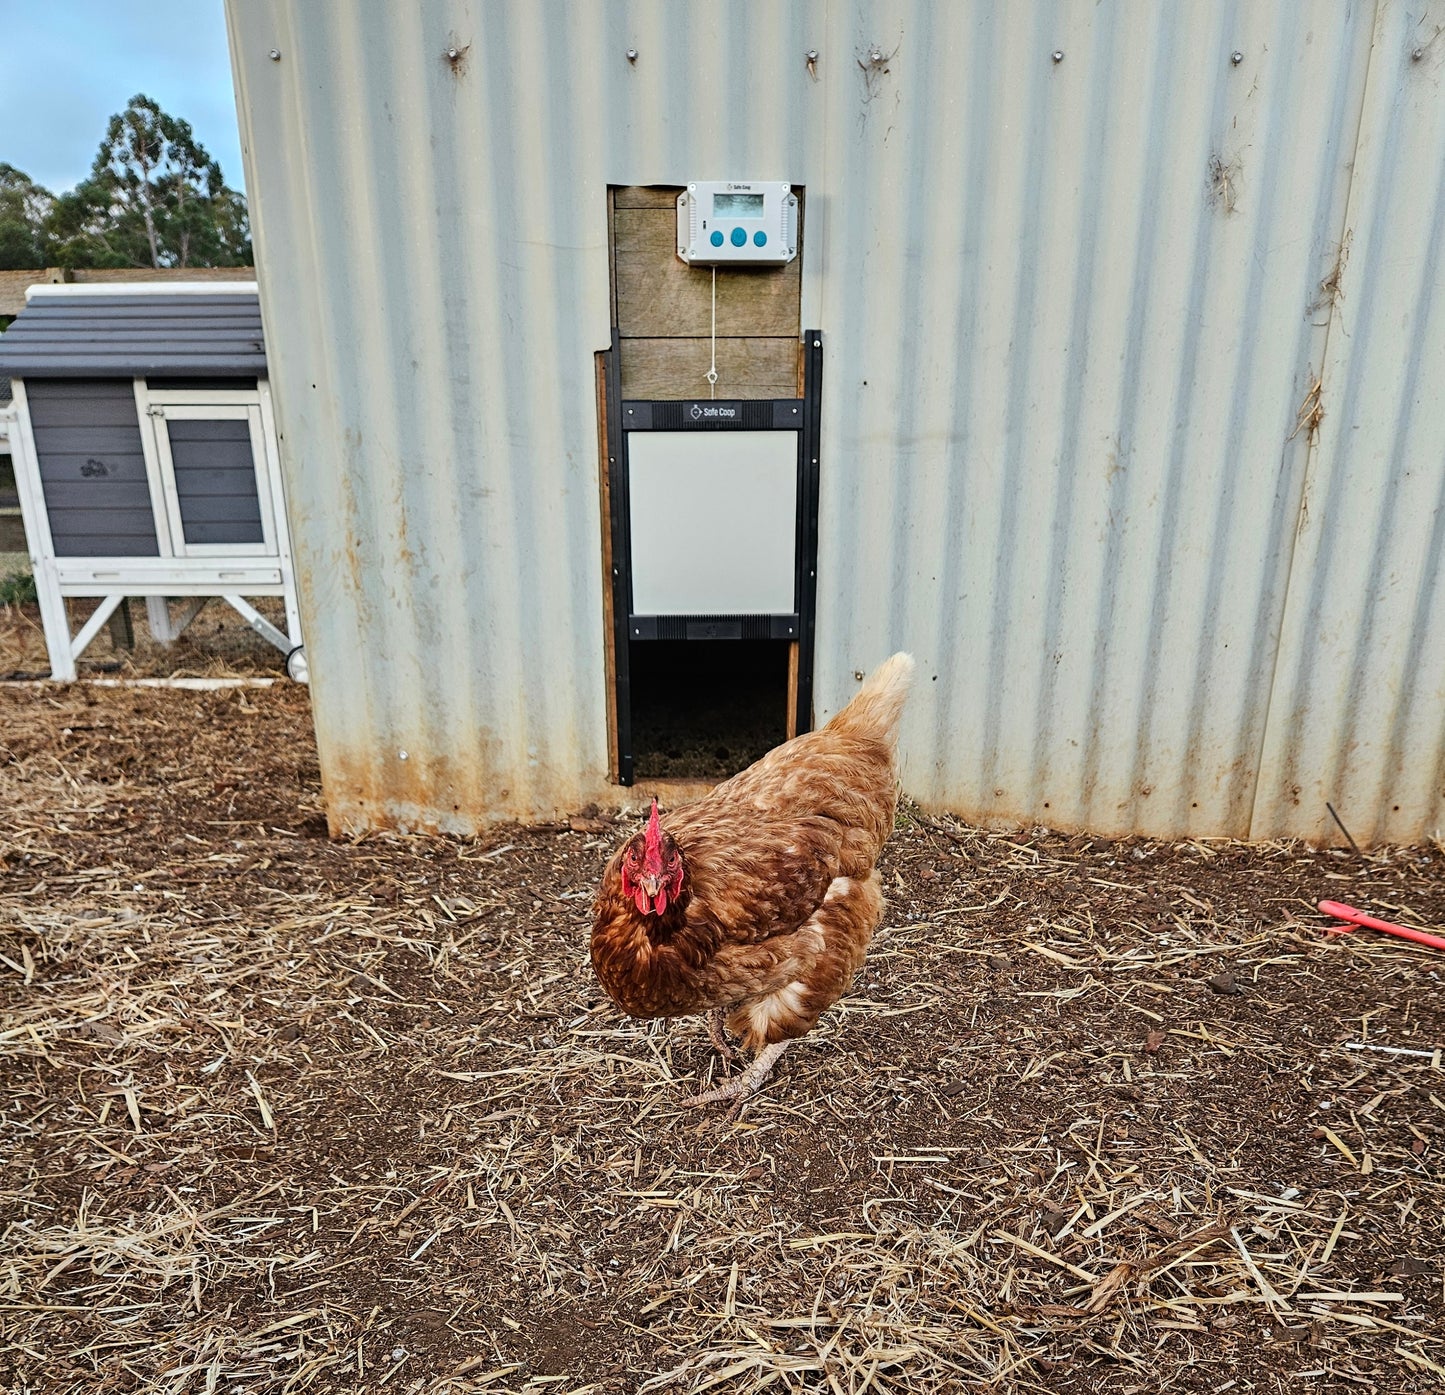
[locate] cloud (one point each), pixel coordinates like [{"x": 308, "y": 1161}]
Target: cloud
[{"x": 69, "y": 67}]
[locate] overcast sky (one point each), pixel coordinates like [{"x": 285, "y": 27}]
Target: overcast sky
[{"x": 67, "y": 66}]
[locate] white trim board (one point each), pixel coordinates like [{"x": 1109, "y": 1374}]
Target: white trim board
[
  {"x": 166, "y": 576},
  {"x": 191, "y": 685},
  {"x": 157, "y": 410},
  {"x": 279, "y": 520},
  {"x": 53, "y": 617},
  {"x": 122, "y": 288}
]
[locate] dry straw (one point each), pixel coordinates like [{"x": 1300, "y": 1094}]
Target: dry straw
[{"x": 291, "y": 1115}]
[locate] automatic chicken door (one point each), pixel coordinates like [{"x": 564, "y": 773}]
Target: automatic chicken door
[{"x": 714, "y": 518}]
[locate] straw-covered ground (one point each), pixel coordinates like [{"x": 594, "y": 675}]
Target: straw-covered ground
[
  {"x": 217, "y": 643},
  {"x": 284, "y": 1114}
]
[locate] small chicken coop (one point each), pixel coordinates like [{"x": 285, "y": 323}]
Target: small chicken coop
[{"x": 146, "y": 458}]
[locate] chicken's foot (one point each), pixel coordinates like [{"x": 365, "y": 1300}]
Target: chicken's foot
[
  {"x": 741, "y": 1086},
  {"x": 715, "y": 1035}
]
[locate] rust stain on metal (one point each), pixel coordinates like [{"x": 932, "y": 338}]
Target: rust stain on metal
[
  {"x": 456, "y": 54},
  {"x": 417, "y": 793}
]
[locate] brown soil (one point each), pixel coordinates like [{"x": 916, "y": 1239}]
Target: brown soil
[
  {"x": 217, "y": 642},
  {"x": 285, "y": 1114},
  {"x": 706, "y": 711}
]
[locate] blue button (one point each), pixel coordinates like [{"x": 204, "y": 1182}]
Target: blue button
[
  {"x": 760, "y": 239},
  {"x": 740, "y": 236},
  {"x": 717, "y": 238}
]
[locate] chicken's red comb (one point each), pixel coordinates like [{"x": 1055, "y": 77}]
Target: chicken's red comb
[{"x": 652, "y": 841}]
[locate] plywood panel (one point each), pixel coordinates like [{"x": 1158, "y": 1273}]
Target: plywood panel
[
  {"x": 665, "y": 298},
  {"x": 664, "y": 311},
  {"x": 647, "y": 196},
  {"x": 747, "y": 368},
  {"x": 650, "y": 232},
  {"x": 792, "y": 729}
]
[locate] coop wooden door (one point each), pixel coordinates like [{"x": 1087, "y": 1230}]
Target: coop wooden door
[{"x": 218, "y": 498}]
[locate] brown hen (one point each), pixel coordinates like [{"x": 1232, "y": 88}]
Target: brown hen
[{"x": 758, "y": 901}]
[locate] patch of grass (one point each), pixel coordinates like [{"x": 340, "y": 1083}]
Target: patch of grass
[{"x": 17, "y": 588}]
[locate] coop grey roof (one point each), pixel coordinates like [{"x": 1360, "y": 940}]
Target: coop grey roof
[{"x": 94, "y": 331}]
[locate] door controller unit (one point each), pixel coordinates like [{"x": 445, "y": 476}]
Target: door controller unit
[{"x": 737, "y": 222}]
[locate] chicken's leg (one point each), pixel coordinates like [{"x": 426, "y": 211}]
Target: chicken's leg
[
  {"x": 741, "y": 1086},
  {"x": 715, "y": 1035}
]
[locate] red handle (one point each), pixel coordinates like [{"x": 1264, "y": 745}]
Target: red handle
[{"x": 1343, "y": 912}]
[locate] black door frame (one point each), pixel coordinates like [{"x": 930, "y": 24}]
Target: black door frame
[{"x": 802, "y": 415}]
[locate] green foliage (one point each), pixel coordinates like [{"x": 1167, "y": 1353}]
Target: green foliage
[
  {"x": 153, "y": 197},
  {"x": 25, "y": 209},
  {"x": 17, "y": 588}
]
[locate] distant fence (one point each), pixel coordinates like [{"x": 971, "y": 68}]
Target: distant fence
[{"x": 13, "y": 283}]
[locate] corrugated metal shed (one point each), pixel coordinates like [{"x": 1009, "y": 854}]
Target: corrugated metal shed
[
  {"x": 1357, "y": 708},
  {"x": 1079, "y": 268},
  {"x": 121, "y": 331}
]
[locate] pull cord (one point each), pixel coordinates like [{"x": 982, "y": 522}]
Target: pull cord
[{"x": 712, "y": 369}]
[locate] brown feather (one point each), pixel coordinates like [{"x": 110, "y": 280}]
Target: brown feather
[{"x": 780, "y": 896}]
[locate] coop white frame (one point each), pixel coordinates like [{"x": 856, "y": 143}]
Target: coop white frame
[
  {"x": 231, "y": 572},
  {"x": 161, "y": 407}
]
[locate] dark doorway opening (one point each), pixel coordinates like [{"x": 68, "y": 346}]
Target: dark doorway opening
[{"x": 705, "y": 710}]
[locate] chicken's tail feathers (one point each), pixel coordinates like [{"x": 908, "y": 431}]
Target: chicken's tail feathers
[{"x": 878, "y": 704}]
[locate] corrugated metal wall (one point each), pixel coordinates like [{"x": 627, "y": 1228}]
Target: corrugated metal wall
[
  {"x": 1074, "y": 306},
  {"x": 1357, "y": 714}
]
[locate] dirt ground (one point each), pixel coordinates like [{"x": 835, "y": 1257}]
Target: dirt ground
[
  {"x": 217, "y": 642},
  {"x": 733, "y": 707},
  {"x": 284, "y": 1114}
]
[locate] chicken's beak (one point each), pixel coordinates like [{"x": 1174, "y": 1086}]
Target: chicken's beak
[{"x": 651, "y": 885}]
